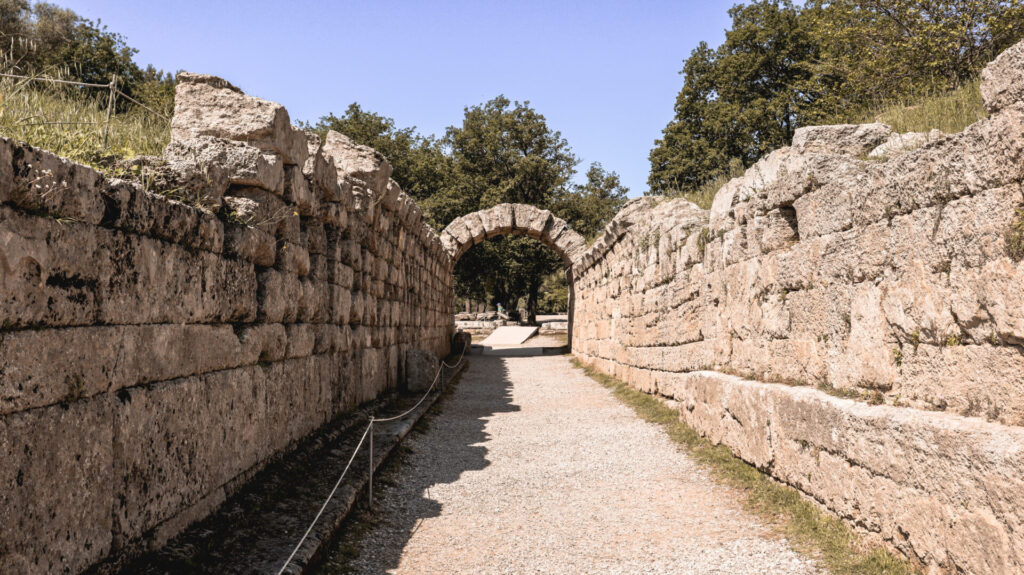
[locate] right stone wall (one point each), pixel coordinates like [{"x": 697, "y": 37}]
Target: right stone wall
[{"x": 881, "y": 267}]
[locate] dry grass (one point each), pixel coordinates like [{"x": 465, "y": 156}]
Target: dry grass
[
  {"x": 29, "y": 113},
  {"x": 808, "y": 528},
  {"x": 949, "y": 112}
]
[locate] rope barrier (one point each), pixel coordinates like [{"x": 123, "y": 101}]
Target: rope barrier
[
  {"x": 145, "y": 107},
  {"x": 55, "y": 81},
  {"x": 368, "y": 433}
]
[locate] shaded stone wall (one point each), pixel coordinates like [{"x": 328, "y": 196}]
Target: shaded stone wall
[
  {"x": 856, "y": 262},
  {"x": 162, "y": 339}
]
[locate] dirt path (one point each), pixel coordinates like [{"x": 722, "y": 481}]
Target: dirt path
[{"x": 532, "y": 467}]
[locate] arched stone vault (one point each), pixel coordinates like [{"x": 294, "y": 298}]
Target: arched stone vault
[{"x": 518, "y": 219}]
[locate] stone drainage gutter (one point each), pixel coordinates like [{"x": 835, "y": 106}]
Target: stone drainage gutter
[{"x": 255, "y": 530}]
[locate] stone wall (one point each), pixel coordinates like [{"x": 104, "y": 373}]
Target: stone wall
[
  {"x": 856, "y": 262},
  {"x": 162, "y": 339}
]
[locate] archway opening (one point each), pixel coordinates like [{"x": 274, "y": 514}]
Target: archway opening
[{"x": 530, "y": 247}]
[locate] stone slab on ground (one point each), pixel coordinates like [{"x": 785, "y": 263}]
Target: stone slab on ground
[{"x": 509, "y": 335}]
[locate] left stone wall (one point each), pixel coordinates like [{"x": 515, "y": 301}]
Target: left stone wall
[{"x": 161, "y": 339}]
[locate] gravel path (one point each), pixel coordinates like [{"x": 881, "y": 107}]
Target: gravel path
[{"x": 532, "y": 467}]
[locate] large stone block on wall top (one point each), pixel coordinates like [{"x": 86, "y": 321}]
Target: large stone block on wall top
[
  {"x": 242, "y": 164},
  {"x": 56, "y": 470},
  {"x": 848, "y": 139},
  {"x": 1002, "y": 80},
  {"x": 37, "y": 180},
  {"x": 362, "y": 163},
  {"x": 209, "y": 106}
]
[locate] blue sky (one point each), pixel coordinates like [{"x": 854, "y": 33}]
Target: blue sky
[{"x": 603, "y": 73}]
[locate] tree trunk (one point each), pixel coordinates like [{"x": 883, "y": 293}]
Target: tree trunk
[{"x": 531, "y": 303}]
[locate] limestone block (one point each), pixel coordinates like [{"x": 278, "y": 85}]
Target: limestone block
[
  {"x": 56, "y": 500},
  {"x": 359, "y": 163},
  {"x": 301, "y": 340},
  {"x": 292, "y": 258},
  {"x": 826, "y": 210},
  {"x": 1002, "y": 80},
  {"x": 178, "y": 440},
  {"x": 341, "y": 305},
  {"x": 242, "y": 164},
  {"x": 420, "y": 369},
  {"x": 539, "y": 223},
  {"x": 500, "y": 220},
  {"x": 74, "y": 274},
  {"x": 848, "y": 139},
  {"x": 278, "y": 296},
  {"x": 264, "y": 342},
  {"x": 36, "y": 180},
  {"x": 320, "y": 171},
  {"x": 475, "y": 226},
  {"x": 867, "y": 361},
  {"x": 43, "y": 367},
  {"x": 209, "y": 106},
  {"x": 334, "y": 215},
  {"x": 298, "y": 193},
  {"x": 250, "y": 244},
  {"x": 134, "y": 210}
]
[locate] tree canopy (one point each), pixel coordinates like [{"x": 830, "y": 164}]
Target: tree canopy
[
  {"x": 48, "y": 40},
  {"x": 783, "y": 66}
]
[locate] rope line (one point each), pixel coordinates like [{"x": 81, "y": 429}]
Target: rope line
[
  {"x": 54, "y": 80},
  {"x": 150, "y": 110},
  {"x": 368, "y": 432},
  {"x": 429, "y": 389},
  {"x": 324, "y": 506}
]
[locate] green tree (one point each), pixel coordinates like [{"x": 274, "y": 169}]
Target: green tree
[
  {"x": 589, "y": 207},
  {"x": 889, "y": 49},
  {"x": 742, "y": 99}
]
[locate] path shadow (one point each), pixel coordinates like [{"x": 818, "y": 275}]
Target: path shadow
[{"x": 453, "y": 436}]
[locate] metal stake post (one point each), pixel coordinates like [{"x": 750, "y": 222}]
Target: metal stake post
[
  {"x": 369, "y": 486},
  {"x": 110, "y": 108}
]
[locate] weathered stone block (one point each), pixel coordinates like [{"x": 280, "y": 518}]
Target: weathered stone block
[
  {"x": 209, "y": 106},
  {"x": 1002, "y": 80},
  {"x": 178, "y": 440},
  {"x": 56, "y": 498},
  {"x": 40, "y": 180},
  {"x": 360, "y": 163}
]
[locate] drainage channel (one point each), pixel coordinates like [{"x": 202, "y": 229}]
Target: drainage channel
[{"x": 257, "y": 528}]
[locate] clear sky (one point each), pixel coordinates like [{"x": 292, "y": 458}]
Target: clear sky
[{"x": 603, "y": 73}]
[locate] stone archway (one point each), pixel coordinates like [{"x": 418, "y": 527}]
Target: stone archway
[{"x": 517, "y": 219}]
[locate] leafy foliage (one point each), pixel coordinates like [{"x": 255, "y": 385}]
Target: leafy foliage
[
  {"x": 829, "y": 61},
  {"x": 43, "y": 39},
  {"x": 591, "y": 206}
]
